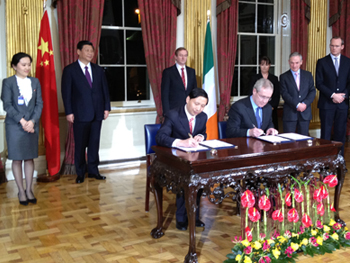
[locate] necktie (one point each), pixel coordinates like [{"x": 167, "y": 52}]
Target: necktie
[
  {"x": 183, "y": 77},
  {"x": 191, "y": 125},
  {"x": 88, "y": 77},
  {"x": 297, "y": 81},
  {"x": 257, "y": 116},
  {"x": 336, "y": 65}
]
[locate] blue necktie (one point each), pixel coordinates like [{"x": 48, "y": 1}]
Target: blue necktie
[{"x": 257, "y": 116}]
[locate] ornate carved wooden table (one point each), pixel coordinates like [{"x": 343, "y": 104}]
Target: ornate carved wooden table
[{"x": 249, "y": 165}]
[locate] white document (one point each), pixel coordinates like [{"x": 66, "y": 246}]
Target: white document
[
  {"x": 214, "y": 144},
  {"x": 294, "y": 136},
  {"x": 273, "y": 139}
]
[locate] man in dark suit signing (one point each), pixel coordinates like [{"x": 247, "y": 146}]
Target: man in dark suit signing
[
  {"x": 252, "y": 116},
  {"x": 333, "y": 82},
  {"x": 86, "y": 101},
  {"x": 177, "y": 82},
  {"x": 298, "y": 92},
  {"x": 179, "y": 123}
]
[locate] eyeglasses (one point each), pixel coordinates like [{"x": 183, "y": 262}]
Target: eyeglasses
[{"x": 263, "y": 97}]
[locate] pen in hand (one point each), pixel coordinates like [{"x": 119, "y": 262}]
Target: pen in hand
[
  {"x": 190, "y": 135},
  {"x": 263, "y": 133}
]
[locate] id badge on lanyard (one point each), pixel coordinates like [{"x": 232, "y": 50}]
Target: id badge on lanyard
[{"x": 20, "y": 100}]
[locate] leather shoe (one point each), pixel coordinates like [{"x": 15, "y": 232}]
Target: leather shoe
[
  {"x": 181, "y": 225},
  {"x": 33, "y": 201},
  {"x": 199, "y": 223},
  {"x": 80, "y": 179},
  {"x": 97, "y": 176}
]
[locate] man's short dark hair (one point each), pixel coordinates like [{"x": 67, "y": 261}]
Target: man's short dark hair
[
  {"x": 180, "y": 49},
  {"x": 82, "y": 43},
  {"x": 198, "y": 92},
  {"x": 338, "y": 37}
]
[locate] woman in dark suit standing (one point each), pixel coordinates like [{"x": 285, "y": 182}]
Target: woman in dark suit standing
[
  {"x": 265, "y": 64},
  {"x": 21, "y": 96}
]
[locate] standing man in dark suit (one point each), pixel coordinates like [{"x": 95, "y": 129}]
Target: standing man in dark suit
[
  {"x": 252, "y": 116},
  {"x": 298, "y": 92},
  {"x": 333, "y": 82},
  {"x": 179, "y": 123},
  {"x": 86, "y": 101},
  {"x": 177, "y": 82}
]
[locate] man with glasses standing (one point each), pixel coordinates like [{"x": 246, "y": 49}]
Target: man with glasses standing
[
  {"x": 252, "y": 116},
  {"x": 298, "y": 92}
]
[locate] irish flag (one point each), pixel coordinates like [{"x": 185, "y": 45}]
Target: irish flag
[{"x": 209, "y": 86}]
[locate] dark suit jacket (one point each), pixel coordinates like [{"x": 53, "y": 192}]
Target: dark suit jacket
[
  {"x": 275, "y": 99},
  {"x": 327, "y": 82},
  {"x": 173, "y": 91},
  {"x": 242, "y": 118},
  {"x": 292, "y": 96},
  {"x": 15, "y": 112},
  {"x": 176, "y": 126},
  {"x": 84, "y": 102}
]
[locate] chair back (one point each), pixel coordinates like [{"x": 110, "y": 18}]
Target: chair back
[
  {"x": 150, "y": 136},
  {"x": 222, "y": 129}
]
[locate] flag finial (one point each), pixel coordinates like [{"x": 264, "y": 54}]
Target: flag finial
[{"x": 208, "y": 14}]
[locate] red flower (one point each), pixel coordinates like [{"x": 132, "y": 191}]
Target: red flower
[
  {"x": 324, "y": 192},
  {"x": 289, "y": 251},
  {"x": 337, "y": 226},
  {"x": 253, "y": 214},
  {"x": 247, "y": 199},
  {"x": 264, "y": 203},
  {"x": 331, "y": 180},
  {"x": 332, "y": 208},
  {"x": 288, "y": 199},
  {"x": 320, "y": 209},
  {"x": 319, "y": 224},
  {"x": 347, "y": 235},
  {"x": 293, "y": 215},
  {"x": 306, "y": 220},
  {"x": 248, "y": 234},
  {"x": 248, "y": 250},
  {"x": 264, "y": 259},
  {"x": 277, "y": 215},
  {"x": 298, "y": 196},
  {"x": 266, "y": 245},
  {"x": 320, "y": 194}
]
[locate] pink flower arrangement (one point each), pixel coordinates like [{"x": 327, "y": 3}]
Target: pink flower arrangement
[
  {"x": 293, "y": 215},
  {"x": 277, "y": 215},
  {"x": 247, "y": 199},
  {"x": 264, "y": 259},
  {"x": 320, "y": 209},
  {"x": 306, "y": 220},
  {"x": 264, "y": 203},
  {"x": 253, "y": 214},
  {"x": 298, "y": 196}
]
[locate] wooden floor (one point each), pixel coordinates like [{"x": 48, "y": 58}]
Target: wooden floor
[{"x": 106, "y": 222}]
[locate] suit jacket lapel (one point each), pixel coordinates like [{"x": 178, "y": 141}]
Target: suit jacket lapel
[
  {"x": 292, "y": 80},
  {"x": 183, "y": 120},
  {"x": 331, "y": 64},
  {"x": 178, "y": 77},
  {"x": 250, "y": 112},
  {"x": 81, "y": 74}
]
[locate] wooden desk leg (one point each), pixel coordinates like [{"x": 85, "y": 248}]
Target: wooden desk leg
[
  {"x": 191, "y": 207},
  {"x": 157, "y": 232},
  {"x": 340, "y": 175}
]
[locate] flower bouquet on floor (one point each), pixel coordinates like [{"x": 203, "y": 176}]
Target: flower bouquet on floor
[{"x": 297, "y": 223}]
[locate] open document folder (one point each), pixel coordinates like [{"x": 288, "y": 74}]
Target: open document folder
[
  {"x": 284, "y": 137},
  {"x": 206, "y": 146}
]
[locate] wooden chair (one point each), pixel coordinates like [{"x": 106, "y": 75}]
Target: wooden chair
[{"x": 150, "y": 140}]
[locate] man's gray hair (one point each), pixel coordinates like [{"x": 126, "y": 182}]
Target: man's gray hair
[
  {"x": 263, "y": 83},
  {"x": 294, "y": 54}
]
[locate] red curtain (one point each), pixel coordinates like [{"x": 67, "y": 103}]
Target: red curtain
[
  {"x": 227, "y": 27},
  {"x": 339, "y": 12},
  {"x": 77, "y": 20},
  {"x": 158, "y": 22},
  {"x": 300, "y": 17}
]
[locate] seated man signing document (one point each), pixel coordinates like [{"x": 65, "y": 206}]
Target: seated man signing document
[
  {"x": 186, "y": 127},
  {"x": 251, "y": 116}
]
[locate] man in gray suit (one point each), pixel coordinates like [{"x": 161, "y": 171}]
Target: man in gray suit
[{"x": 298, "y": 92}]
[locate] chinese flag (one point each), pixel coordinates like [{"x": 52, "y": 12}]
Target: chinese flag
[{"x": 45, "y": 72}]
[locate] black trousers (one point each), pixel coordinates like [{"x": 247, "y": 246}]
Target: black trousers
[{"x": 87, "y": 135}]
